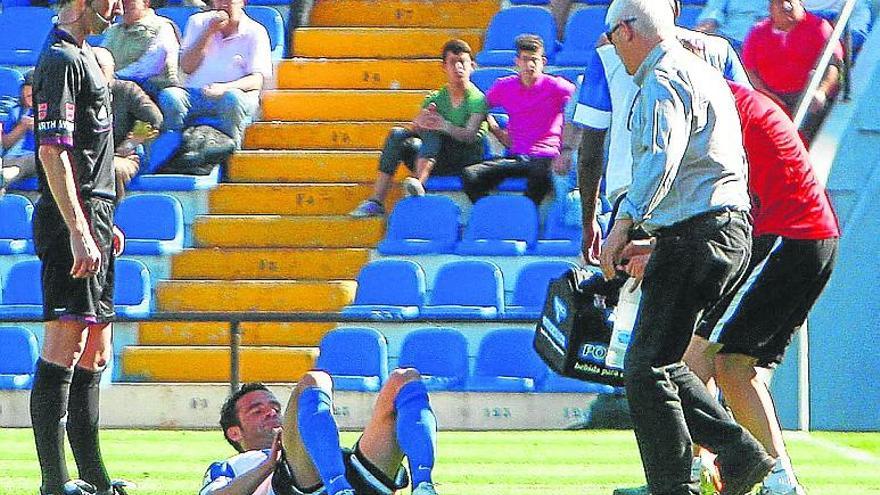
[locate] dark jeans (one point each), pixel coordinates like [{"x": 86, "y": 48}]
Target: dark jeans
[
  {"x": 450, "y": 156},
  {"x": 695, "y": 263},
  {"x": 481, "y": 178}
]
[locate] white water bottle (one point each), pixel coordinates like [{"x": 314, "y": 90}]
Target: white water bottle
[{"x": 624, "y": 321}]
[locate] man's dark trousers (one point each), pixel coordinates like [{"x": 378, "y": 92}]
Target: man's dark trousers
[{"x": 694, "y": 264}]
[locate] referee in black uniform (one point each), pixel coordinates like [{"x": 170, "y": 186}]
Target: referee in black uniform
[{"x": 77, "y": 243}]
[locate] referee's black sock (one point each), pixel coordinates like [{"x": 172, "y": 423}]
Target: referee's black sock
[
  {"x": 82, "y": 427},
  {"x": 48, "y": 406}
]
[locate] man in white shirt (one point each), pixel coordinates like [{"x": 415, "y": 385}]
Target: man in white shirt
[{"x": 226, "y": 60}]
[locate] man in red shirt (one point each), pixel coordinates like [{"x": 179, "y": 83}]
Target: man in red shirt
[
  {"x": 780, "y": 54},
  {"x": 794, "y": 249}
]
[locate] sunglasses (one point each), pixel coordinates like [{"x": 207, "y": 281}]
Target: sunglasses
[{"x": 610, "y": 32}]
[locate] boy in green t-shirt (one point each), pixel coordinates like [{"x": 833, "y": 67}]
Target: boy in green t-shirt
[{"x": 446, "y": 135}]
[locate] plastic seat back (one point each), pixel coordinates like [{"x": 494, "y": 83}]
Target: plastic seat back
[
  {"x": 469, "y": 283},
  {"x": 270, "y": 19},
  {"x": 356, "y": 358},
  {"x": 152, "y": 223},
  {"x": 10, "y": 82},
  {"x": 24, "y": 33},
  {"x": 581, "y": 32},
  {"x": 20, "y": 353},
  {"x": 388, "y": 281},
  {"x": 446, "y": 370},
  {"x": 506, "y": 361},
  {"x": 498, "y": 45},
  {"x": 422, "y": 225}
]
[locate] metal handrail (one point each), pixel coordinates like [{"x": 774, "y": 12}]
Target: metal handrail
[
  {"x": 824, "y": 61},
  {"x": 236, "y": 319}
]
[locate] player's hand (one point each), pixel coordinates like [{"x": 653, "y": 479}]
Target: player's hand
[
  {"x": 86, "y": 255},
  {"x": 118, "y": 240},
  {"x": 592, "y": 243}
]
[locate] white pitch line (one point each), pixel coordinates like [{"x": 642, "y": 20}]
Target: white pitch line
[{"x": 844, "y": 450}]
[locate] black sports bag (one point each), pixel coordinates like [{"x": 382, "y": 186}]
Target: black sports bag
[{"x": 573, "y": 333}]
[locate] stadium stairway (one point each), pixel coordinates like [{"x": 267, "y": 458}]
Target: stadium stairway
[{"x": 276, "y": 236}]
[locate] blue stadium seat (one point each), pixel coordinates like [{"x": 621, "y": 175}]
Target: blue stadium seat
[
  {"x": 175, "y": 182},
  {"x": 500, "y": 225},
  {"x": 531, "y": 288},
  {"x": 554, "y": 382},
  {"x": 484, "y": 77},
  {"x": 581, "y": 32},
  {"x": 571, "y": 74},
  {"x": 20, "y": 353},
  {"x": 10, "y": 83},
  {"x": 594, "y": 2},
  {"x": 467, "y": 289},
  {"x": 530, "y": 2},
  {"x": 133, "y": 292},
  {"x": 689, "y": 15},
  {"x": 507, "y": 362},
  {"x": 30, "y": 184},
  {"x": 152, "y": 224},
  {"x": 559, "y": 238},
  {"x": 422, "y": 225},
  {"x": 24, "y": 31},
  {"x": 507, "y": 24},
  {"x": 274, "y": 24},
  {"x": 356, "y": 358},
  {"x": 179, "y": 14},
  {"x": 446, "y": 370},
  {"x": 16, "y": 233},
  {"x": 389, "y": 289},
  {"x": 22, "y": 295}
]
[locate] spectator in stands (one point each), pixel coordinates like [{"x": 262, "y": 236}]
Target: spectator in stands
[
  {"x": 19, "y": 144},
  {"x": 689, "y": 190},
  {"x": 144, "y": 46},
  {"x": 731, "y": 18},
  {"x": 226, "y": 58},
  {"x": 535, "y": 103},
  {"x": 447, "y": 133},
  {"x": 780, "y": 55},
  {"x": 135, "y": 120},
  {"x": 859, "y": 21},
  {"x": 603, "y": 106},
  {"x": 403, "y": 424}
]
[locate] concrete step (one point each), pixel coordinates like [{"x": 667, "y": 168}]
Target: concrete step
[
  {"x": 318, "y": 135},
  {"x": 268, "y": 264},
  {"x": 291, "y": 199},
  {"x": 217, "y": 333},
  {"x": 254, "y": 295},
  {"x": 211, "y": 364},
  {"x": 386, "y": 43},
  {"x": 404, "y": 13},
  {"x": 304, "y": 166},
  {"x": 263, "y": 231},
  {"x": 341, "y": 105},
  {"x": 323, "y": 73}
]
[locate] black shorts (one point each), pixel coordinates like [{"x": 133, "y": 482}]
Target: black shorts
[
  {"x": 88, "y": 299},
  {"x": 775, "y": 305},
  {"x": 364, "y": 477}
]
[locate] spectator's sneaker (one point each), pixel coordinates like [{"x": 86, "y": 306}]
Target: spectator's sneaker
[
  {"x": 412, "y": 187},
  {"x": 368, "y": 208},
  {"x": 424, "y": 488},
  {"x": 743, "y": 482},
  {"x": 636, "y": 490},
  {"x": 74, "y": 487}
]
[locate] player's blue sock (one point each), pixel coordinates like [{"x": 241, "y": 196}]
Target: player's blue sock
[
  {"x": 416, "y": 430},
  {"x": 320, "y": 436}
]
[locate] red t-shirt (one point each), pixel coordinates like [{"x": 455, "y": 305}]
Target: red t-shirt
[
  {"x": 784, "y": 60},
  {"x": 787, "y": 200}
]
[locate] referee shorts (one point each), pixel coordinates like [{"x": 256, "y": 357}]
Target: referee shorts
[
  {"x": 89, "y": 299},
  {"x": 775, "y": 300}
]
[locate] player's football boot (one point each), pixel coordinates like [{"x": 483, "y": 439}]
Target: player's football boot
[
  {"x": 74, "y": 487},
  {"x": 118, "y": 487},
  {"x": 424, "y": 488}
]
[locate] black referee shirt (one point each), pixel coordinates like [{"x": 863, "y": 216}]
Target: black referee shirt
[{"x": 72, "y": 103}]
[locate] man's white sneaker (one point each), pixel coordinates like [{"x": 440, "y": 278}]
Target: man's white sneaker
[
  {"x": 412, "y": 187},
  {"x": 424, "y": 488}
]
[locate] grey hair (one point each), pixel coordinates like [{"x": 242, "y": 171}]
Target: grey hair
[{"x": 653, "y": 19}]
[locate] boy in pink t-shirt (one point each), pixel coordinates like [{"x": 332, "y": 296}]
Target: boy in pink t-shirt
[{"x": 535, "y": 103}]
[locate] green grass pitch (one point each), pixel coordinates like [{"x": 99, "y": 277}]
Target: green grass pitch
[{"x": 584, "y": 462}]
